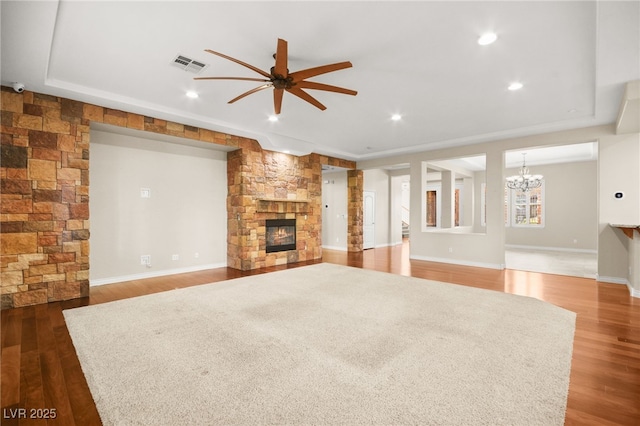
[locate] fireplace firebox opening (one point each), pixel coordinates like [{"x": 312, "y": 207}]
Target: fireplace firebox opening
[{"x": 281, "y": 235}]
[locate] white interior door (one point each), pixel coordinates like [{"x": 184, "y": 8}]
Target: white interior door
[{"x": 369, "y": 230}]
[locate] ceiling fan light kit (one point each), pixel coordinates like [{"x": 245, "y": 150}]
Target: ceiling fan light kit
[{"x": 282, "y": 81}]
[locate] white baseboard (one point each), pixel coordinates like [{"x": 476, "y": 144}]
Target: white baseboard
[
  {"x": 459, "y": 262},
  {"x": 542, "y": 248},
  {"x": 153, "y": 274},
  {"x": 377, "y": 246},
  {"x": 384, "y": 245},
  {"x": 612, "y": 280},
  {"x": 622, "y": 281},
  {"x": 335, "y": 248}
]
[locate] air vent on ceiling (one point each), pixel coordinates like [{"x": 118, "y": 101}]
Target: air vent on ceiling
[{"x": 189, "y": 64}]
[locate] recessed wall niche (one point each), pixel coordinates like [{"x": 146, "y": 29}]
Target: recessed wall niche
[{"x": 157, "y": 197}]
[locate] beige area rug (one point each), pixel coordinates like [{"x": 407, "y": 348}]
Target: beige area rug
[{"x": 326, "y": 345}]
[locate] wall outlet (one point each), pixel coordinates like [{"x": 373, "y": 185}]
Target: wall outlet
[
  {"x": 145, "y": 259},
  {"x": 145, "y": 192},
  {"x": 175, "y": 257},
  {"x": 196, "y": 255},
  {"x": 450, "y": 249}
]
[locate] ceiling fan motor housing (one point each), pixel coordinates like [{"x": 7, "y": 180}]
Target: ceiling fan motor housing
[{"x": 280, "y": 82}]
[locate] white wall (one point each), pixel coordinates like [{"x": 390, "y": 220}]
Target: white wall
[
  {"x": 334, "y": 210},
  {"x": 571, "y": 209},
  {"x": 378, "y": 181},
  {"x": 185, "y": 215},
  {"x": 396, "y": 208},
  {"x": 480, "y": 179},
  {"x": 618, "y": 171},
  {"x": 406, "y": 198}
]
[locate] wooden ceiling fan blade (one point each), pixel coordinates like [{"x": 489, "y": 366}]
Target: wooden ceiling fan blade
[
  {"x": 277, "y": 100},
  {"x": 312, "y": 72},
  {"x": 307, "y": 97},
  {"x": 326, "y": 87},
  {"x": 231, "y": 78},
  {"x": 280, "y": 68},
  {"x": 237, "y": 61},
  {"x": 252, "y": 91}
]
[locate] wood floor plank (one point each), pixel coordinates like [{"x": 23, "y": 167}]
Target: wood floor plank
[
  {"x": 54, "y": 385},
  {"x": 31, "y": 386},
  {"x": 55, "y": 389},
  {"x": 578, "y": 417},
  {"x": 83, "y": 407},
  {"x": 598, "y": 405},
  {"x": 10, "y": 381},
  {"x": 11, "y": 326},
  {"x": 29, "y": 338}
]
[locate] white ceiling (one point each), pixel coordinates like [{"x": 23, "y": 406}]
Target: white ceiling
[{"x": 419, "y": 59}]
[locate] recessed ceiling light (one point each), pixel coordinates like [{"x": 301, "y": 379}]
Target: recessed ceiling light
[
  {"x": 286, "y": 151},
  {"x": 515, "y": 86},
  {"x": 487, "y": 38},
  {"x": 191, "y": 94},
  {"x": 396, "y": 117},
  {"x": 273, "y": 118}
]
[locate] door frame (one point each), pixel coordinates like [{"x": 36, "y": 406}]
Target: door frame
[{"x": 368, "y": 230}]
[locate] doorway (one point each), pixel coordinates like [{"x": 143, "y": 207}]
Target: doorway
[
  {"x": 553, "y": 227},
  {"x": 368, "y": 228}
]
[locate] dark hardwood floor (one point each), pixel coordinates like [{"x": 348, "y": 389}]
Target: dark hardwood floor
[{"x": 42, "y": 375}]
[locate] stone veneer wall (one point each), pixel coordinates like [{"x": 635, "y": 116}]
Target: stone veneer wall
[
  {"x": 270, "y": 185},
  {"x": 45, "y": 193},
  {"x": 355, "y": 210}
]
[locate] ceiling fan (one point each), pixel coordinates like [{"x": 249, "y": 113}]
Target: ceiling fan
[{"x": 281, "y": 80}]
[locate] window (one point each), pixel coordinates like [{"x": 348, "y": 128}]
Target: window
[{"x": 526, "y": 208}]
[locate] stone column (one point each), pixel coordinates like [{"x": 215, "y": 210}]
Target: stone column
[
  {"x": 45, "y": 199},
  {"x": 355, "y": 188},
  {"x": 244, "y": 167}
]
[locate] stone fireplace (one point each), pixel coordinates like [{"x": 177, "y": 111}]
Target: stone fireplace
[
  {"x": 265, "y": 186},
  {"x": 280, "y": 235}
]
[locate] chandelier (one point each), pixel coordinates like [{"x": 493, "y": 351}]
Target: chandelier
[{"x": 524, "y": 181}]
